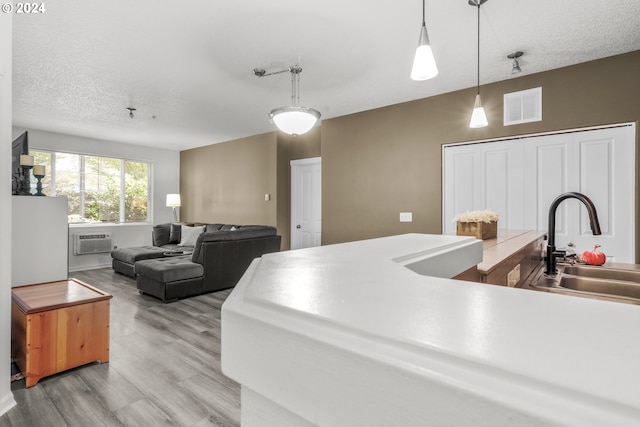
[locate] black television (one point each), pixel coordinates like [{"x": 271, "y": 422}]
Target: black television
[{"x": 19, "y": 146}]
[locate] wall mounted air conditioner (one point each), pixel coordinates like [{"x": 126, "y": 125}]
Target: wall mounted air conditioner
[{"x": 95, "y": 243}]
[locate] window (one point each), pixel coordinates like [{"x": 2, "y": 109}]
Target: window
[{"x": 99, "y": 189}]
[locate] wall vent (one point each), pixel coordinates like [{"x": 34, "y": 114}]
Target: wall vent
[
  {"x": 96, "y": 243},
  {"x": 523, "y": 107}
]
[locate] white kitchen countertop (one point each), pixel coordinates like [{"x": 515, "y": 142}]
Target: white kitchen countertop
[{"x": 499, "y": 355}]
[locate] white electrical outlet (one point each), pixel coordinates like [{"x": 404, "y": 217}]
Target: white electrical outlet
[{"x": 406, "y": 217}]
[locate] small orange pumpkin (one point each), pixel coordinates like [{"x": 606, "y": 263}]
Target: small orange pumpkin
[{"x": 594, "y": 257}]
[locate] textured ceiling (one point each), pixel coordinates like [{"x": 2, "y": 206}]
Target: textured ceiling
[{"x": 81, "y": 63}]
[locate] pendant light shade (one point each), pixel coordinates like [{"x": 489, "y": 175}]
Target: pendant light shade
[
  {"x": 478, "y": 116},
  {"x": 294, "y": 120},
  {"x": 424, "y": 64}
]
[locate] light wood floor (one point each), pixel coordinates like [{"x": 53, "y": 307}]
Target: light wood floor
[{"x": 164, "y": 368}]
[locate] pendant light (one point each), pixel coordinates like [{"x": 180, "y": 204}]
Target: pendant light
[
  {"x": 293, "y": 120},
  {"x": 424, "y": 64},
  {"x": 478, "y": 117}
]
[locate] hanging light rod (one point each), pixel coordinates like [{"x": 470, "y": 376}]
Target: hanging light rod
[
  {"x": 424, "y": 63},
  {"x": 293, "y": 120},
  {"x": 478, "y": 116}
]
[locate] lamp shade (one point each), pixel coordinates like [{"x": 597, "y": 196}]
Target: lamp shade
[
  {"x": 478, "y": 117},
  {"x": 294, "y": 120},
  {"x": 173, "y": 200},
  {"x": 424, "y": 64}
]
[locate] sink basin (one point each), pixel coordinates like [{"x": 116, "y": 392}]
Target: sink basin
[
  {"x": 601, "y": 286},
  {"x": 606, "y": 283},
  {"x": 603, "y": 273}
]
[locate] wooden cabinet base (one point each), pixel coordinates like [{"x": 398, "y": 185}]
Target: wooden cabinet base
[{"x": 47, "y": 339}]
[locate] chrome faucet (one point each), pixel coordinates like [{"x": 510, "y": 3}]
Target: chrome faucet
[{"x": 551, "y": 246}]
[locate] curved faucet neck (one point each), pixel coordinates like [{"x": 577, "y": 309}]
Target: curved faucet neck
[{"x": 551, "y": 236}]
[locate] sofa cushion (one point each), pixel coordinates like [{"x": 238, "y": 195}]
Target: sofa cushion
[
  {"x": 213, "y": 227},
  {"x": 189, "y": 235},
  {"x": 171, "y": 269},
  {"x": 228, "y": 227},
  {"x": 161, "y": 234},
  {"x": 131, "y": 255},
  {"x": 175, "y": 233}
]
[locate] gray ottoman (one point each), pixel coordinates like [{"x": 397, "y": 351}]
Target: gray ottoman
[
  {"x": 169, "y": 278},
  {"x": 124, "y": 259}
]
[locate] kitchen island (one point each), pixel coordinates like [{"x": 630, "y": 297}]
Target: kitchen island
[{"x": 358, "y": 334}]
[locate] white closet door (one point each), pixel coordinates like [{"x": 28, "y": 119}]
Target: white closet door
[
  {"x": 484, "y": 176},
  {"x": 520, "y": 178}
]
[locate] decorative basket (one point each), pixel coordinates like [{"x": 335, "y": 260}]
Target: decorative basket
[{"x": 480, "y": 230}]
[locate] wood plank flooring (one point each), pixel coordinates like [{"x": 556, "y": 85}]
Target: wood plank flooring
[{"x": 164, "y": 368}]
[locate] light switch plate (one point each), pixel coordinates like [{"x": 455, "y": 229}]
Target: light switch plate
[{"x": 406, "y": 216}]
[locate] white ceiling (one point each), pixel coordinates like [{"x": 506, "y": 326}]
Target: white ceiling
[{"x": 189, "y": 63}]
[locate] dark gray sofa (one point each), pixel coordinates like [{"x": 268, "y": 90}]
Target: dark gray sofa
[
  {"x": 165, "y": 239},
  {"x": 220, "y": 257}
]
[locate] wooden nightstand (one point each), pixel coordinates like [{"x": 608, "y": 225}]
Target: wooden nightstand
[{"x": 58, "y": 326}]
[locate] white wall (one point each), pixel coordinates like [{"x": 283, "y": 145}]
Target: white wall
[
  {"x": 165, "y": 171},
  {"x": 6, "y": 397}
]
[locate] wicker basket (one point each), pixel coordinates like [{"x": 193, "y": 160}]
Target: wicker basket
[{"x": 480, "y": 230}]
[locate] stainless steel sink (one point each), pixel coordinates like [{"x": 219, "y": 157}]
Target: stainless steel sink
[
  {"x": 601, "y": 286},
  {"x": 603, "y": 273},
  {"x": 611, "y": 284}
]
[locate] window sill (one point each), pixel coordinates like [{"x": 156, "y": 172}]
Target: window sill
[{"x": 109, "y": 224}]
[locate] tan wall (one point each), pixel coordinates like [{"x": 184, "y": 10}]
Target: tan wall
[
  {"x": 378, "y": 163},
  {"x": 227, "y": 182}
]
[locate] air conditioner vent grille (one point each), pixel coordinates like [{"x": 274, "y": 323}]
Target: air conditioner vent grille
[{"x": 95, "y": 243}]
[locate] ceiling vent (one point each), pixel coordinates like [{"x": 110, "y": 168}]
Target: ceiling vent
[{"x": 523, "y": 107}]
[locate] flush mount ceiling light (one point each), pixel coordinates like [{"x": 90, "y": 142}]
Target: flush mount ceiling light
[
  {"x": 478, "y": 117},
  {"x": 515, "y": 66},
  {"x": 424, "y": 64},
  {"x": 131, "y": 110},
  {"x": 293, "y": 120}
]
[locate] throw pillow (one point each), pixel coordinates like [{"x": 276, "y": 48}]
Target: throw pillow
[
  {"x": 174, "y": 234},
  {"x": 190, "y": 235}
]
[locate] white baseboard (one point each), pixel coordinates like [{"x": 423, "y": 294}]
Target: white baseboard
[
  {"x": 89, "y": 267},
  {"x": 7, "y": 402}
]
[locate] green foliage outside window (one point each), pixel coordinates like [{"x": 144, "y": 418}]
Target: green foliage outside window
[{"x": 95, "y": 187}]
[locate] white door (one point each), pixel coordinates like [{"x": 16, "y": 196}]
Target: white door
[
  {"x": 520, "y": 178},
  {"x": 306, "y": 203}
]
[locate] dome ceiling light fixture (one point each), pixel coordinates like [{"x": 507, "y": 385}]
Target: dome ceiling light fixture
[
  {"x": 424, "y": 64},
  {"x": 478, "y": 117},
  {"x": 516, "y": 65},
  {"x": 293, "y": 120}
]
